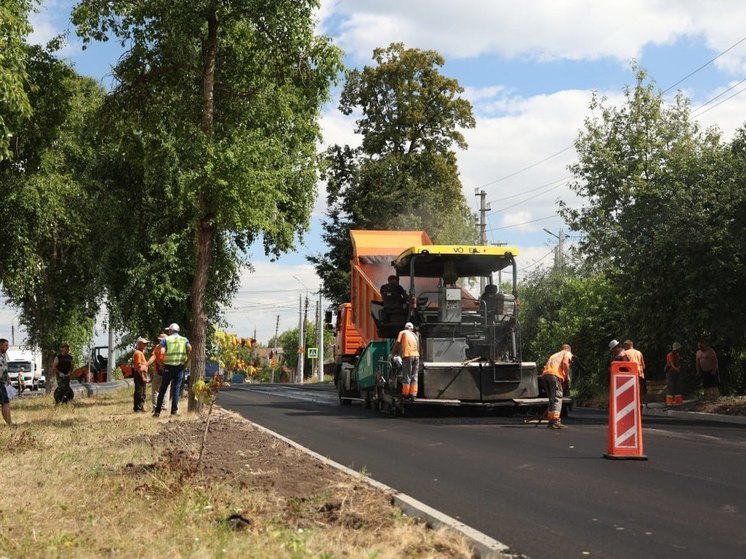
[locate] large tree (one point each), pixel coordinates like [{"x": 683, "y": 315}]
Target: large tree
[
  {"x": 658, "y": 216},
  {"x": 404, "y": 174},
  {"x": 48, "y": 266},
  {"x": 14, "y": 102},
  {"x": 219, "y": 102}
]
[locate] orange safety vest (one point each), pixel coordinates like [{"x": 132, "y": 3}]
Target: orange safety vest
[
  {"x": 558, "y": 364},
  {"x": 410, "y": 346}
]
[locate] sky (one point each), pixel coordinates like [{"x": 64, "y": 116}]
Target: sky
[{"x": 528, "y": 68}]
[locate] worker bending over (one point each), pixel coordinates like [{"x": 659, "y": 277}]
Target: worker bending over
[{"x": 556, "y": 372}]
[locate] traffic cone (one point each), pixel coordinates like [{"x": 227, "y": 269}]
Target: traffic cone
[{"x": 625, "y": 419}]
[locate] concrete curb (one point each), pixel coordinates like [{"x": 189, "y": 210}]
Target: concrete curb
[
  {"x": 485, "y": 546},
  {"x": 694, "y": 415}
]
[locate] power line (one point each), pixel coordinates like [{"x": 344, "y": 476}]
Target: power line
[
  {"x": 721, "y": 102},
  {"x": 519, "y": 171},
  {"x": 532, "y": 197},
  {"x": 717, "y": 96},
  {"x": 690, "y": 74},
  {"x": 535, "y": 262},
  {"x": 530, "y": 190},
  {"x": 520, "y": 224}
]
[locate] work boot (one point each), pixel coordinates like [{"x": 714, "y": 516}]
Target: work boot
[
  {"x": 554, "y": 424},
  {"x": 156, "y": 414}
]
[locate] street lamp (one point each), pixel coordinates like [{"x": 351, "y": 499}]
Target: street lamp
[{"x": 558, "y": 255}]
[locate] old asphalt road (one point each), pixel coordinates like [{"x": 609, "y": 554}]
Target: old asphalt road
[{"x": 543, "y": 493}]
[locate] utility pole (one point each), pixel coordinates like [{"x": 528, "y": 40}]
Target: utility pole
[
  {"x": 301, "y": 343},
  {"x": 303, "y": 356},
  {"x": 483, "y": 209},
  {"x": 320, "y": 335},
  {"x": 274, "y": 347}
]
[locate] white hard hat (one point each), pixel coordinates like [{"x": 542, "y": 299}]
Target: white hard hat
[
  {"x": 409, "y": 326},
  {"x": 675, "y": 346},
  {"x": 613, "y": 344},
  {"x": 173, "y": 327}
]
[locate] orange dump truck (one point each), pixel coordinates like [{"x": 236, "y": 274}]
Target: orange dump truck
[
  {"x": 468, "y": 340},
  {"x": 373, "y": 252}
]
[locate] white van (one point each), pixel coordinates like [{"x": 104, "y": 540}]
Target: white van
[{"x": 29, "y": 361}]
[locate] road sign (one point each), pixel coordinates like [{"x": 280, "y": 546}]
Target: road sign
[{"x": 313, "y": 352}]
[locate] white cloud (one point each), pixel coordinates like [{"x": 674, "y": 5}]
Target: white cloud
[
  {"x": 502, "y": 150},
  {"x": 49, "y": 22},
  {"x": 540, "y": 30}
]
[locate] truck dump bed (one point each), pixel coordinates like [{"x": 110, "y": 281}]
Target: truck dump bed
[{"x": 372, "y": 255}]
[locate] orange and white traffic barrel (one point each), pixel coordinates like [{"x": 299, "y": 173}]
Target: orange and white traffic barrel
[{"x": 625, "y": 419}]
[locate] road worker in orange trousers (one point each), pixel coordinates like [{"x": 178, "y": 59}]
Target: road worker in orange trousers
[
  {"x": 674, "y": 396},
  {"x": 410, "y": 352},
  {"x": 556, "y": 372}
]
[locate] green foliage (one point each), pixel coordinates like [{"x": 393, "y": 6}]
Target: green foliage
[
  {"x": 404, "y": 176},
  {"x": 584, "y": 311},
  {"x": 662, "y": 220},
  {"x": 14, "y": 102},
  {"x": 49, "y": 270},
  {"x": 211, "y": 135}
]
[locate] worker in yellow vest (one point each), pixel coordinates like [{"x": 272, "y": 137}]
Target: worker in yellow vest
[
  {"x": 555, "y": 374},
  {"x": 177, "y": 350}
]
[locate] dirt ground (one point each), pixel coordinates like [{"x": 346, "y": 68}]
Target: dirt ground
[
  {"x": 731, "y": 405},
  {"x": 248, "y": 458}
]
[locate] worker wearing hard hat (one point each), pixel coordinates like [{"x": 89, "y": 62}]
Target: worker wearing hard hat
[
  {"x": 555, "y": 374},
  {"x": 617, "y": 351},
  {"x": 177, "y": 351},
  {"x": 409, "y": 343}
]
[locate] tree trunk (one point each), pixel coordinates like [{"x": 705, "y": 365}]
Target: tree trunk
[
  {"x": 203, "y": 248},
  {"x": 205, "y": 230}
]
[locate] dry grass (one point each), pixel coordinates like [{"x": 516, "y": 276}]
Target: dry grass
[{"x": 92, "y": 479}]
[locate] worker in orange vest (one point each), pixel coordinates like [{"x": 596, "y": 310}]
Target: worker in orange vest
[
  {"x": 410, "y": 352},
  {"x": 673, "y": 377},
  {"x": 635, "y": 356},
  {"x": 556, "y": 372}
]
